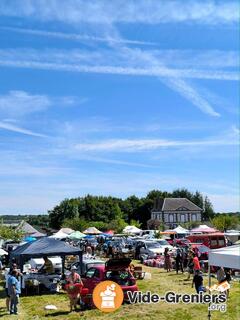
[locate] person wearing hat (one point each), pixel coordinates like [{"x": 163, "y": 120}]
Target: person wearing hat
[{"x": 74, "y": 286}]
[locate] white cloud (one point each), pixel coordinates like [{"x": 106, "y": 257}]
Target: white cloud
[
  {"x": 13, "y": 128},
  {"x": 128, "y": 145},
  {"x": 118, "y": 11},
  {"x": 21, "y": 102},
  {"x": 75, "y": 37},
  {"x": 125, "y": 61},
  {"x": 107, "y": 62},
  {"x": 18, "y": 103}
]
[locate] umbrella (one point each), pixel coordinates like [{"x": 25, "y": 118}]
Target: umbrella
[
  {"x": 181, "y": 230},
  {"x": 131, "y": 229},
  {"x": 59, "y": 235},
  {"x": 92, "y": 230},
  {"x": 67, "y": 230},
  {"x": 3, "y": 252},
  {"x": 109, "y": 232},
  {"x": 76, "y": 235},
  {"x": 203, "y": 229},
  {"x": 29, "y": 239}
]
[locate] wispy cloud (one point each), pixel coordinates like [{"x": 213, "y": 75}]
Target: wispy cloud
[
  {"x": 127, "y": 145},
  {"x": 21, "y": 102},
  {"x": 18, "y": 103},
  {"x": 141, "y": 11},
  {"x": 131, "y": 62},
  {"x": 75, "y": 37},
  {"x": 13, "y": 128},
  {"x": 107, "y": 63}
]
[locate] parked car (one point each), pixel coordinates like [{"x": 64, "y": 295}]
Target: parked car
[
  {"x": 150, "y": 249},
  {"x": 181, "y": 242},
  {"x": 163, "y": 243},
  {"x": 115, "y": 270},
  {"x": 87, "y": 264}
]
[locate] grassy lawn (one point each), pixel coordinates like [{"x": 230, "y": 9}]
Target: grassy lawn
[{"x": 32, "y": 307}]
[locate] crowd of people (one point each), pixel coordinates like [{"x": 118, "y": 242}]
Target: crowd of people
[{"x": 183, "y": 259}]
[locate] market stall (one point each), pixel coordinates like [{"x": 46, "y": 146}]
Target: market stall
[
  {"x": 227, "y": 257},
  {"x": 44, "y": 247}
]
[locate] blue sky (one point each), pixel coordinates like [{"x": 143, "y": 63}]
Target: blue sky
[{"x": 118, "y": 98}]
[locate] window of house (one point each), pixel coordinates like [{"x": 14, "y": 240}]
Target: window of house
[
  {"x": 194, "y": 217},
  {"x": 171, "y": 218},
  {"x": 182, "y": 218}
]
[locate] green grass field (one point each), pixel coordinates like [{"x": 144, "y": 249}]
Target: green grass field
[{"x": 32, "y": 307}]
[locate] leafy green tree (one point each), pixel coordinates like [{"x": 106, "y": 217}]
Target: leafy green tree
[
  {"x": 76, "y": 223},
  {"x": 208, "y": 212},
  {"x": 8, "y": 233},
  {"x": 190, "y": 225},
  {"x": 223, "y": 222},
  {"x": 117, "y": 225},
  {"x": 135, "y": 223}
]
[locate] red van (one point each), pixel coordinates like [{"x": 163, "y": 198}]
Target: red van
[{"x": 210, "y": 240}]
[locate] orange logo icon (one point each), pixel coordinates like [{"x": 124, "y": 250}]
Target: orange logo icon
[{"x": 108, "y": 296}]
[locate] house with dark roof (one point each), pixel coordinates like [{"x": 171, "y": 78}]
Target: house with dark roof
[{"x": 173, "y": 211}]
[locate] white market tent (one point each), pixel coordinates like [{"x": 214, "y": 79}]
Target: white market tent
[
  {"x": 181, "y": 230},
  {"x": 67, "y": 230},
  {"x": 203, "y": 229},
  {"x": 59, "y": 235},
  {"x": 3, "y": 252},
  {"x": 92, "y": 230},
  {"x": 131, "y": 229},
  {"x": 232, "y": 235},
  {"x": 228, "y": 257}
]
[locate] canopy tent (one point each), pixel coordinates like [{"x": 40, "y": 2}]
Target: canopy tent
[
  {"x": 29, "y": 239},
  {"x": 228, "y": 257},
  {"x": 29, "y": 230},
  {"x": 203, "y": 229},
  {"x": 109, "y": 232},
  {"x": 67, "y": 230},
  {"x": 181, "y": 230},
  {"x": 232, "y": 235},
  {"x": 44, "y": 247},
  {"x": 59, "y": 235},
  {"x": 131, "y": 229},
  {"x": 3, "y": 252},
  {"x": 92, "y": 230},
  {"x": 76, "y": 235}
]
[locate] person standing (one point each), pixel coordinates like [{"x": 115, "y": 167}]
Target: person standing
[
  {"x": 196, "y": 264},
  {"x": 14, "y": 290},
  {"x": 198, "y": 281},
  {"x": 74, "y": 291},
  {"x": 7, "y": 275},
  {"x": 221, "y": 276},
  {"x": 179, "y": 260},
  {"x": 167, "y": 260},
  {"x": 190, "y": 265}
]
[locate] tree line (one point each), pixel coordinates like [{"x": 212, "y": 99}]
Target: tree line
[{"x": 114, "y": 213}]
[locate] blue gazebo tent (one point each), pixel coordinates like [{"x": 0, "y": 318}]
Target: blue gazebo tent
[{"x": 44, "y": 247}]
